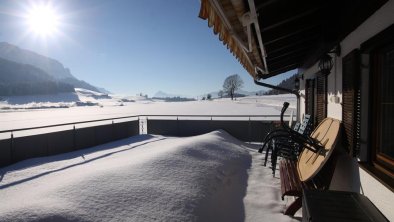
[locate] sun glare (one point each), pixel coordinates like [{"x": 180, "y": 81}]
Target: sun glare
[{"x": 43, "y": 20}]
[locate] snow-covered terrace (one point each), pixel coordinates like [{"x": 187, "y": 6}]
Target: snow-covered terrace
[{"x": 210, "y": 177}]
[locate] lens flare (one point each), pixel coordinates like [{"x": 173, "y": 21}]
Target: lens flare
[{"x": 43, "y": 20}]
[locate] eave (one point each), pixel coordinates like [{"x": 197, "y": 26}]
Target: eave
[{"x": 294, "y": 34}]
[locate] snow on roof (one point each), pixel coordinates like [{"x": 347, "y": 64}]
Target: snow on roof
[{"x": 142, "y": 178}]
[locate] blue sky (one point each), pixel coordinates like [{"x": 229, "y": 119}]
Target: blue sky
[{"x": 130, "y": 46}]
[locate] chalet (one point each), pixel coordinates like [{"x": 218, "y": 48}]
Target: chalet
[{"x": 344, "y": 54}]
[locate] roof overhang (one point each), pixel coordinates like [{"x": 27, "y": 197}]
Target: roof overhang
[{"x": 270, "y": 37}]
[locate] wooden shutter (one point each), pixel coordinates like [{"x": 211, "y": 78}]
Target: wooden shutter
[
  {"x": 351, "y": 109},
  {"x": 321, "y": 98},
  {"x": 310, "y": 97}
]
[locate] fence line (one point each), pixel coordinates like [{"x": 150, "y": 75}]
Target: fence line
[
  {"x": 14, "y": 149},
  {"x": 66, "y": 124},
  {"x": 135, "y": 116}
]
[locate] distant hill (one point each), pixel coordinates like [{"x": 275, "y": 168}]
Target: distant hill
[
  {"x": 23, "y": 79},
  {"x": 102, "y": 90},
  {"x": 161, "y": 94},
  {"x": 50, "y": 66},
  {"x": 287, "y": 83}
]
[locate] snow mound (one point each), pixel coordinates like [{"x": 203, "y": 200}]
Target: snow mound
[{"x": 143, "y": 178}]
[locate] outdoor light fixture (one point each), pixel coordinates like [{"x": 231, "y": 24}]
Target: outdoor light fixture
[
  {"x": 326, "y": 63},
  {"x": 297, "y": 83}
]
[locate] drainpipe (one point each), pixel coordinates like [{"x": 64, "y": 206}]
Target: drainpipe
[{"x": 295, "y": 92}]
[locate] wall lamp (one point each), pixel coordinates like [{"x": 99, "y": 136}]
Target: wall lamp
[
  {"x": 297, "y": 83},
  {"x": 326, "y": 63}
]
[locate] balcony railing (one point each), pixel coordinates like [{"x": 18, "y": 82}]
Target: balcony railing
[{"x": 25, "y": 143}]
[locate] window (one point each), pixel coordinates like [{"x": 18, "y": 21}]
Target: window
[
  {"x": 380, "y": 49},
  {"x": 316, "y": 98},
  {"x": 321, "y": 98},
  {"x": 383, "y": 107},
  {"x": 351, "y": 101},
  {"x": 310, "y": 98}
]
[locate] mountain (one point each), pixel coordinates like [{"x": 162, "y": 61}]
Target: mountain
[
  {"x": 286, "y": 83},
  {"x": 52, "y": 67},
  {"x": 161, "y": 94},
  {"x": 79, "y": 84},
  {"x": 102, "y": 90},
  {"x": 12, "y": 72},
  {"x": 23, "y": 79}
]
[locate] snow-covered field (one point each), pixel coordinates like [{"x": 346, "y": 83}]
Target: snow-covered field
[
  {"x": 19, "y": 114},
  {"x": 211, "y": 177}
]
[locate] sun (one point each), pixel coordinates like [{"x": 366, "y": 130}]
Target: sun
[{"x": 43, "y": 20}]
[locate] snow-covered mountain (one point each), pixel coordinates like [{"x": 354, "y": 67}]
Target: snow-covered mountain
[{"x": 50, "y": 66}]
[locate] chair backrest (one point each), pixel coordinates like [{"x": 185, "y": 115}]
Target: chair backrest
[
  {"x": 297, "y": 126},
  {"x": 306, "y": 125},
  {"x": 310, "y": 163}
]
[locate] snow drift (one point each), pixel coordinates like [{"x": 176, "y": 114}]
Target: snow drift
[{"x": 143, "y": 178}]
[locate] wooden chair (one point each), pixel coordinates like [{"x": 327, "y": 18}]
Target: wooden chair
[
  {"x": 287, "y": 148},
  {"x": 285, "y": 142},
  {"x": 306, "y": 172}
]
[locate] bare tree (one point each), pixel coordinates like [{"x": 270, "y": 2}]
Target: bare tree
[
  {"x": 232, "y": 84},
  {"x": 220, "y": 93}
]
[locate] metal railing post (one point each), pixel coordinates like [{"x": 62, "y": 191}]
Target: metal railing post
[
  {"x": 113, "y": 130},
  {"x": 177, "y": 126},
  {"x": 250, "y": 130},
  {"x": 210, "y": 124},
  {"x": 12, "y": 147},
  {"x": 139, "y": 126},
  {"x": 146, "y": 122},
  {"x": 74, "y": 138}
]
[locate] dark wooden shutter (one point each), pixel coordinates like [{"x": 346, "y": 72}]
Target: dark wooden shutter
[
  {"x": 321, "y": 98},
  {"x": 351, "y": 108},
  {"x": 310, "y": 97}
]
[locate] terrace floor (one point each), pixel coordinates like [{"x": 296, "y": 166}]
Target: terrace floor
[{"x": 211, "y": 177}]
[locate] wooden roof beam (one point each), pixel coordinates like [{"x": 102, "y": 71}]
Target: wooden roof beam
[
  {"x": 294, "y": 44},
  {"x": 306, "y": 28},
  {"x": 290, "y": 59},
  {"x": 281, "y": 70},
  {"x": 281, "y": 55},
  {"x": 293, "y": 18},
  {"x": 265, "y": 4}
]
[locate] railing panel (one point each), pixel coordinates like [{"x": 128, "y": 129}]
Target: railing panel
[
  {"x": 5, "y": 152},
  {"x": 248, "y": 131},
  {"x": 85, "y": 137},
  {"x": 126, "y": 129},
  {"x": 238, "y": 129},
  {"x": 162, "y": 127},
  {"x": 194, "y": 127},
  {"x": 103, "y": 134},
  {"x": 60, "y": 142},
  {"x": 29, "y": 147},
  {"x": 259, "y": 129}
]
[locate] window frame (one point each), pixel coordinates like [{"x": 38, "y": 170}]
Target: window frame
[
  {"x": 379, "y": 159},
  {"x": 379, "y": 166}
]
